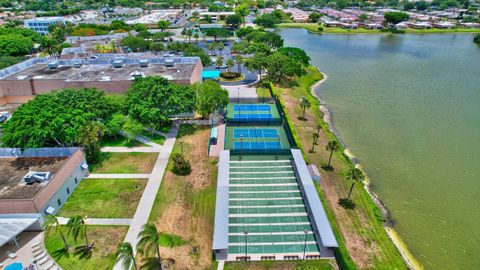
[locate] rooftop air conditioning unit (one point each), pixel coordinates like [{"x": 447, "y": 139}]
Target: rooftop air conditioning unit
[
  {"x": 77, "y": 64},
  {"x": 53, "y": 65},
  {"x": 37, "y": 177},
  {"x": 137, "y": 74},
  {"x": 143, "y": 62},
  {"x": 169, "y": 62},
  {"x": 118, "y": 63}
]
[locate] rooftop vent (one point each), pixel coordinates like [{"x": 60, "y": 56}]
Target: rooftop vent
[
  {"x": 21, "y": 77},
  {"x": 169, "y": 62},
  {"x": 77, "y": 64},
  {"x": 53, "y": 65},
  {"x": 105, "y": 78},
  {"x": 37, "y": 177},
  {"x": 137, "y": 74},
  {"x": 118, "y": 63},
  {"x": 143, "y": 62}
]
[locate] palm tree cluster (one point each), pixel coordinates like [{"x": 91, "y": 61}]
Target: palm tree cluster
[{"x": 148, "y": 246}]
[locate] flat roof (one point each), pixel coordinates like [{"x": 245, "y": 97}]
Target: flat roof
[
  {"x": 12, "y": 185},
  {"x": 99, "y": 69},
  {"x": 220, "y": 230},
  {"x": 13, "y": 226}
]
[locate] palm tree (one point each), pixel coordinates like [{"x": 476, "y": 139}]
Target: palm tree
[
  {"x": 239, "y": 60},
  {"x": 356, "y": 175},
  {"x": 219, "y": 62},
  {"x": 148, "y": 245},
  {"x": 212, "y": 47},
  {"x": 304, "y": 104},
  {"x": 125, "y": 254},
  {"x": 52, "y": 221},
  {"x": 220, "y": 47},
  {"x": 196, "y": 37},
  {"x": 77, "y": 228},
  {"x": 230, "y": 63},
  {"x": 332, "y": 146},
  {"x": 314, "y": 142}
]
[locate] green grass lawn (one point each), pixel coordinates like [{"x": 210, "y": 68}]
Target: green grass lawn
[
  {"x": 127, "y": 163},
  {"x": 363, "y": 242},
  {"x": 120, "y": 141},
  {"x": 263, "y": 93},
  {"x": 105, "y": 198},
  {"x": 283, "y": 265},
  {"x": 158, "y": 139},
  {"x": 106, "y": 239}
]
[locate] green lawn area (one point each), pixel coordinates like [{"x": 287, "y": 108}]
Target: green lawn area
[
  {"x": 263, "y": 93},
  {"x": 283, "y": 265},
  {"x": 363, "y": 242},
  {"x": 120, "y": 141},
  {"x": 158, "y": 139},
  {"x": 127, "y": 163},
  {"x": 105, "y": 198},
  {"x": 106, "y": 239},
  {"x": 313, "y": 27}
]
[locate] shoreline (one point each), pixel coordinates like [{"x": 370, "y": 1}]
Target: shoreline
[{"x": 407, "y": 256}]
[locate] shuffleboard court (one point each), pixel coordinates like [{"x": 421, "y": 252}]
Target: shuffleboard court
[
  {"x": 271, "y": 238},
  {"x": 266, "y": 219},
  {"x": 274, "y": 249}
]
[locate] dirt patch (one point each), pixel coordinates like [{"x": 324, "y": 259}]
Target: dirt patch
[{"x": 184, "y": 204}]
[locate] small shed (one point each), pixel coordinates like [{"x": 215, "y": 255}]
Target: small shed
[{"x": 314, "y": 173}]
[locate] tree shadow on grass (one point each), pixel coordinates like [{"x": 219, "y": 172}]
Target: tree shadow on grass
[
  {"x": 60, "y": 253},
  {"x": 346, "y": 203},
  {"x": 328, "y": 168}
]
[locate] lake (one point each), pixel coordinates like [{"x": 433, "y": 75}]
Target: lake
[{"x": 408, "y": 107}]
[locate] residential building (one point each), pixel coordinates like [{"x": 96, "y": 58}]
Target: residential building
[{"x": 40, "y": 24}]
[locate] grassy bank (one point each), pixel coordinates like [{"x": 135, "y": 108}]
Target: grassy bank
[
  {"x": 363, "y": 242},
  {"x": 313, "y": 27},
  {"x": 281, "y": 265},
  {"x": 185, "y": 205}
]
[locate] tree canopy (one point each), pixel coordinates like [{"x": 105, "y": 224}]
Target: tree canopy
[
  {"x": 210, "y": 97},
  {"x": 55, "y": 119},
  {"x": 234, "y": 20},
  {"x": 15, "y": 45},
  {"x": 392, "y": 18},
  {"x": 151, "y": 100},
  {"x": 296, "y": 54},
  {"x": 281, "y": 67}
]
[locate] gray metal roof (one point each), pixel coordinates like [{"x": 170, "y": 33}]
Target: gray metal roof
[
  {"x": 11, "y": 226},
  {"x": 320, "y": 220},
  {"x": 38, "y": 152},
  {"x": 220, "y": 231}
]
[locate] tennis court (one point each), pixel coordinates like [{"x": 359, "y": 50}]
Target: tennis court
[
  {"x": 262, "y": 112},
  {"x": 247, "y": 138}
]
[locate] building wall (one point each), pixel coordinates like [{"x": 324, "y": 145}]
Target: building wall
[{"x": 196, "y": 73}]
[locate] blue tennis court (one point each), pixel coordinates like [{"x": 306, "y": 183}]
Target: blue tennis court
[
  {"x": 253, "y": 117},
  {"x": 257, "y": 145},
  {"x": 252, "y": 107},
  {"x": 255, "y": 133}
]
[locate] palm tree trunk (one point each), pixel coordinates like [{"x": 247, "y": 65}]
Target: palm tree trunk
[
  {"x": 350, "y": 192},
  {"x": 303, "y": 115},
  {"x": 330, "y": 158},
  {"x": 134, "y": 262},
  {"x": 159, "y": 258},
  {"x": 85, "y": 234},
  {"x": 64, "y": 240}
]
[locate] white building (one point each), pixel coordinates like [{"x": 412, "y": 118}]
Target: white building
[{"x": 40, "y": 25}]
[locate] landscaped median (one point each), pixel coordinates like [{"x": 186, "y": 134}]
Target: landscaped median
[
  {"x": 363, "y": 242},
  {"x": 185, "y": 205}
]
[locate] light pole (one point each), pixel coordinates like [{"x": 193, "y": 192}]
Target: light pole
[
  {"x": 241, "y": 147},
  {"x": 181, "y": 147},
  {"x": 278, "y": 146},
  {"x": 246, "y": 243},
  {"x": 238, "y": 95},
  {"x": 305, "y": 244}
]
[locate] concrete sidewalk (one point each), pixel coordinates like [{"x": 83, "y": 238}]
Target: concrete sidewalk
[
  {"x": 100, "y": 221},
  {"x": 117, "y": 175},
  {"x": 148, "y": 197},
  {"x": 122, "y": 149}
]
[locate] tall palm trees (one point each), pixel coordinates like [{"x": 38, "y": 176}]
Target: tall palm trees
[
  {"x": 77, "y": 228},
  {"x": 125, "y": 254},
  {"x": 149, "y": 246}
]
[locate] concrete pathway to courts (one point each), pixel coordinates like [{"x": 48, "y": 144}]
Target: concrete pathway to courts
[
  {"x": 100, "y": 221},
  {"x": 241, "y": 93},
  {"x": 120, "y": 149},
  {"x": 148, "y": 197},
  {"x": 220, "y": 265},
  {"x": 143, "y": 140},
  {"x": 117, "y": 175}
]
